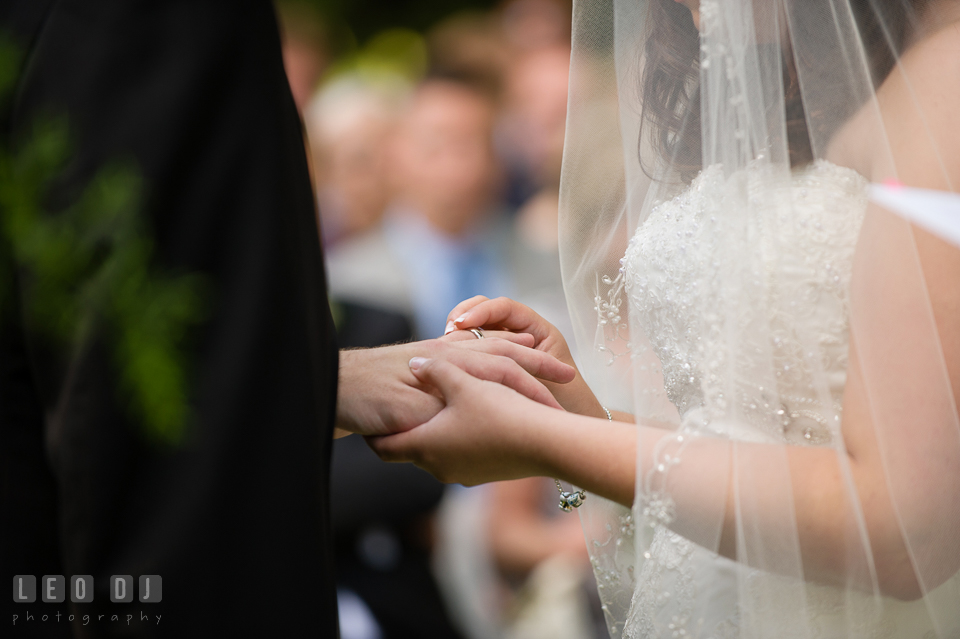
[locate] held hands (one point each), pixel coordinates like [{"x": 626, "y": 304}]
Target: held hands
[
  {"x": 458, "y": 406},
  {"x": 486, "y": 432},
  {"x": 378, "y": 394},
  {"x": 513, "y": 317}
]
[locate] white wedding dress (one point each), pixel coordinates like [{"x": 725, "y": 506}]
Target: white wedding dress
[{"x": 670, "y": 275}]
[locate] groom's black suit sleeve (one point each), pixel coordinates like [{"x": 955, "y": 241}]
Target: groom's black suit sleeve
[{"x": 193, "y": 94}]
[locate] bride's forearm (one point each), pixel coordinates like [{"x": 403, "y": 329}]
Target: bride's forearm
[
  {"x": 590, "y": 452},
  {"x": 602, "y": 458},
  {"x": 803, "y": 509},
  {"x": 831, "y": 491}
]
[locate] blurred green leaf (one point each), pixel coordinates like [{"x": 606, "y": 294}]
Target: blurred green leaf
[
  {"x": 368, "y": 17},
  {"x": 393, "y": 53},
  {"x": 89, "y": 267}
]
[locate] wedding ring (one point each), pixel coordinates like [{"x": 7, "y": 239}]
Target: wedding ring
[{"x": 478, "y": 332}]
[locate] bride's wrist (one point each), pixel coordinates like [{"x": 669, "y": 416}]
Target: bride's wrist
[
  {"x": 604, "y": 465},
  {"x": 585, "y": 403},
  {"x": 535, "y": 435}
]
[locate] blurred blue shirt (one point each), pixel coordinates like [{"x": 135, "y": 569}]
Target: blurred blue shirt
[{"x": 444, "y": 270}]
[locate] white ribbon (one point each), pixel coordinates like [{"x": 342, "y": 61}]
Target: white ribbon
[{"x": 935, "y": 211}]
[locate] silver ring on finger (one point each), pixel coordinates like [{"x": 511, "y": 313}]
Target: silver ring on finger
[{"x": 478, "y": 332}]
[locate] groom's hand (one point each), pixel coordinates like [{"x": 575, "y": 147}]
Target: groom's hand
[{"x": 379, "y": 395}]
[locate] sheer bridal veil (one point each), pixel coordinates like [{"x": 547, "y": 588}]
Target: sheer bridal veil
[{"x": 730, "y": 282}]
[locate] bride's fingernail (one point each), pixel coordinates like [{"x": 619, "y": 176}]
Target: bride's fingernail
[
  {"x": 460, "y": 319},
  {"x": 417, "y": 362},
  {"x": 449, "y": 329}
]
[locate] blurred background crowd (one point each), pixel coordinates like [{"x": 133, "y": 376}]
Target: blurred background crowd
[{"x": 435, "y": 135}]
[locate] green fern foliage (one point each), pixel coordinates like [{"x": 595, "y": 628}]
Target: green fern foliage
[{"x": 88, "y": 270}]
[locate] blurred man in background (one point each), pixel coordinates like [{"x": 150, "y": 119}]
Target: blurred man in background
[
  {"x": 383, "y": 543},
  {"x": 442, "y": 239},
  {"x": 350, "y": 122},
  {"x": 510, "y": 564}
]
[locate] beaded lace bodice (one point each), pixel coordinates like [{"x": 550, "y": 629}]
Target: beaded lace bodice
[{"x": 671, "y": 279}]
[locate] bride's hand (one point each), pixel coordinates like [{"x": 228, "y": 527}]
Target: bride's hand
[
  {"x": 503, "y": 314},
  {"x": 485, "y": 432}
]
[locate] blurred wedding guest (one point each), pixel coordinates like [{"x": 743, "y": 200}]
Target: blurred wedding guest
[
  {"x": 542, "y": 562},
  {"x": 470, "y": 46},
  {"x": 530, "y": 128},
  {"x": 305, "y": 47},
  {"x": 442, "y": 239},
  {"x": 349, "y": 122},
  {"x": 383, "y": 543},
  {"x": 510, "y": 563},
  {"x": 533, "y": 24},
  {"x": 512, "y": 566},
  {"x": 529, "y": 141}
]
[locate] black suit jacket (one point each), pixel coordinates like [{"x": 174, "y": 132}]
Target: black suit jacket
[{"x": 234, "y": 520}]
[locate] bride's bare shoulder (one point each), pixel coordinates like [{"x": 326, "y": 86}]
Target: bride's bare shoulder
[
  {"x": 916, "y": 111},
  {"x": 936, "y": 52}
]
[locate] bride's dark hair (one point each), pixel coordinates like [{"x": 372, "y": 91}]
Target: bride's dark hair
[{"x": 670, "y": 78}]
